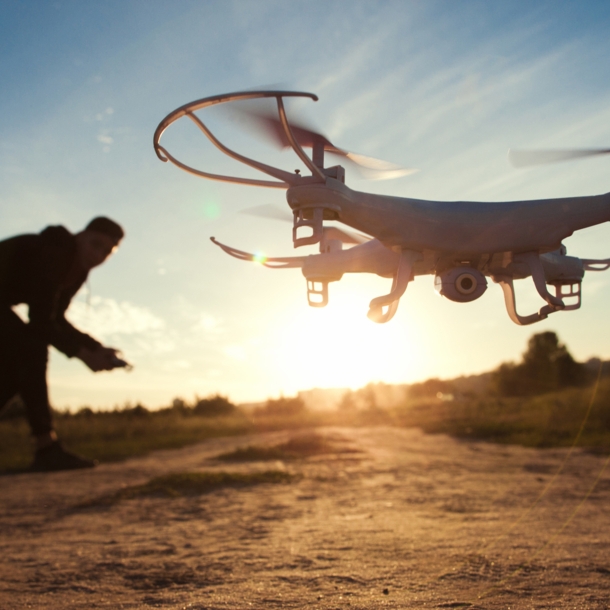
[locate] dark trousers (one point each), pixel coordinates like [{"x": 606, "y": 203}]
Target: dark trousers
[{"x": 23, "y": 370}]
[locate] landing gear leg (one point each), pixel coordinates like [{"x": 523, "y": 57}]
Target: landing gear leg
[
  {"x": 532, "y": 260},
  {"x": 382, "y": 309},
  {"x": 506, "y": 283},
  {"x": 554, "y": 302}
]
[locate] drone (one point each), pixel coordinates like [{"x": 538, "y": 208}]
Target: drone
[{"x": 460, "y": 243}]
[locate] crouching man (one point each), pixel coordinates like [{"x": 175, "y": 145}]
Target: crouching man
[{"x": 45, "y": 271}]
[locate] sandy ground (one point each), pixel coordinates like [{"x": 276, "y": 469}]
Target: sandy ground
[{"x": 408, "y": 521}]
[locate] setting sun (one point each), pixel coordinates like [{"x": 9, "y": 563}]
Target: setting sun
[{"x": 337, "y": 346}]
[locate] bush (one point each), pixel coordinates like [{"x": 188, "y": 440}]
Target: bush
[
  {"x": 430, "y": 388},
  {"x": 547, "y": 365},
  {"x": 213, "y": 406},
  {"x": 137, "y": 411},
  {"x": 283, "y": 406}
]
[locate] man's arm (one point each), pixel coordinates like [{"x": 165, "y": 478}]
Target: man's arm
[
  {"x": 47, "y": 320},
  {"x": 53, "y": 280},
  {"x": 99, "y": 359}
]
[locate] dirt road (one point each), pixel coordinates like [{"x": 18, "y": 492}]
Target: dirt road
[{"x": 390, "y": 518}]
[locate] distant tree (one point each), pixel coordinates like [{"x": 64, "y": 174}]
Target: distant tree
[
  {"x": 85, "y": 411},
  {"x": 507, "y": 380},
  {"x": 369, "y": 396},
  {"x": 213, "y": 406},
  {"x": 430, "y": 388},
  {"x": 348, "y": 402},
  {"x": 179, "y": 407},
  {"x": 136, "y": 411},
  {"x": 547, "y": 365},
  {"x": 597, "y": 367},
  {"x": 283, "y": 406}
]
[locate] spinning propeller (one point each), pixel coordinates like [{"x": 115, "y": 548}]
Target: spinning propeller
[
  {"x": 527, "y": 158},
  {"x": 269, "y": 125}
]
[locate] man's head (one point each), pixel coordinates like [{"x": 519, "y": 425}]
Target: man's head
[{"x": 99, "y": 239}]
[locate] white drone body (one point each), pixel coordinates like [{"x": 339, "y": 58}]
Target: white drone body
[{"x": 460, "y": 243}]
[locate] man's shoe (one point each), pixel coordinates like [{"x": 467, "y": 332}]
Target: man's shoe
[{"x": 56, "y": 457}]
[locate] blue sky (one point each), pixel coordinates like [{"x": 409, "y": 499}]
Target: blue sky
[{"x": 446, "y": 87}]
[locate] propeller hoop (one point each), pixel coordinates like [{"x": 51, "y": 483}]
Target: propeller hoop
[{"x": 286, "y": 179}]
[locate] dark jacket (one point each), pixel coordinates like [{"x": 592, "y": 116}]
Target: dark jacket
[{"x": 41, "y": 271}]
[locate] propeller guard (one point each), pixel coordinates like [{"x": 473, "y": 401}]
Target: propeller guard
[
  {"x": 283, "y": 180},
  {"x": 287, "y": 262},
  {"x": 317, "y": 288}
]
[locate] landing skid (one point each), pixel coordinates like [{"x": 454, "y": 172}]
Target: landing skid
[
  {"x": 554, "y": 302},
  {"x": 382, "y": 309}
]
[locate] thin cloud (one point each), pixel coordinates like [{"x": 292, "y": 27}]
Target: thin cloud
[{"x": 105, "y": 318}]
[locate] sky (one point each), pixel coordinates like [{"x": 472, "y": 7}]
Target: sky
[{"x": 445, "y": 87}]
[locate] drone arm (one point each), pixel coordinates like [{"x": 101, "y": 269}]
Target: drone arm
[
  {"x": 592, "y": 264},
  {"x": 295, "y": 145},
  {"x": 402, "y": 277}
]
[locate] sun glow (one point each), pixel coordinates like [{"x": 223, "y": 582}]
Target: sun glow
[{"x": 337, "y": 346}]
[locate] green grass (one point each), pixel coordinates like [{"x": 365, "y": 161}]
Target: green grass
[
  {"x": 549, "y": 420},
  {"x": 191, "y": 484},
  {"x": 15, "y": 445},
  {"x": 115, "y": 436}
]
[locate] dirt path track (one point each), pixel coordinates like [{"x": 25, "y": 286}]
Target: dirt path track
[{"x": 405, "y": 521}]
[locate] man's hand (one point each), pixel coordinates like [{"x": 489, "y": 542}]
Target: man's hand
[{"x": 100, "y": 359}]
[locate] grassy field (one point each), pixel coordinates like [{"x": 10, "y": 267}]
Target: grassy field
[
  {"x": 578, "y": 416},
  {"x": 115, "y": 436}
]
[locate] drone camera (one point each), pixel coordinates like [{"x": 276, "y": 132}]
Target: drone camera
[
  {"x": 461, "y": 284},
  {"x": 466, "y": 283}
]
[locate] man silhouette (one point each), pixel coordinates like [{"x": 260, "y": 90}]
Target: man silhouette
[{"x": 45, "y": 271}]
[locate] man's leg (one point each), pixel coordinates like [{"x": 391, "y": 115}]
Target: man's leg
[
  {"x": 8, "y": 371},
  {"x": 24, "y": 358},
  {"x": 50, "y": 453},
  {"x": 33, "y": 387},
  {"x": 8, "y": 389},
  {"x": 23, "y": 364}
]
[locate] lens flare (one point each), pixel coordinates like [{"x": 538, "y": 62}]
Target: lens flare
[{"x": 211, "y": 209}]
